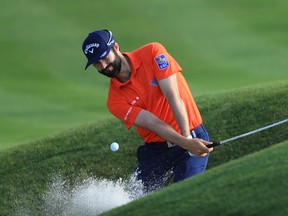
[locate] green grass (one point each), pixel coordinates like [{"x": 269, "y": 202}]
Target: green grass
[
  {"x": 27, "y": 170},
  {"x": 221, "y": 46},
  {"x": 253, "y": 185}
]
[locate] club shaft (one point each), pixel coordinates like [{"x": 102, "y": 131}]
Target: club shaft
[{"x": 217, "y": 143}]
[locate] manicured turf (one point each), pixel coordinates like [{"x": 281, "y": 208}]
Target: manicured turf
[{"x": 221, "y": 45}]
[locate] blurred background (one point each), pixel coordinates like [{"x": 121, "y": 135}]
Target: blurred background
[{"x": 221, "y": 45}]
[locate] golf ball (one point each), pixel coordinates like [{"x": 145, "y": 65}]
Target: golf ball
[{"x": 114, "y": 146}]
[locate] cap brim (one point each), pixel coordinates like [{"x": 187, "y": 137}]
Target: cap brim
[{"x": 96, "y": 58}]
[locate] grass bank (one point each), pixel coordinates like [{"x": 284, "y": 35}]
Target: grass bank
[
  {"x": 27, "y": 171},
  {"x": 253, "y": 185}
]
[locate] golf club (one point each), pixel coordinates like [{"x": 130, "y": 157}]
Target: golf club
[{"x": 217, "y": 143}]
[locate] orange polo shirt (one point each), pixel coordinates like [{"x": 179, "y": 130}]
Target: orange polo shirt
[{"x": 150, "y": 63}]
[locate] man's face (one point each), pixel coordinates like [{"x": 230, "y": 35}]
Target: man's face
[{"x": 110, "y": 66}]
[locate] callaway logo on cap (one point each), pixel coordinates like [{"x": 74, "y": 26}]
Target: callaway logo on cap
[
  {"x": 97, "y": 45},
  {"x": 88, "y": 48}
]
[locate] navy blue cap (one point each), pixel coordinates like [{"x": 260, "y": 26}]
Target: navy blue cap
[{"x": 97, "y": 45}]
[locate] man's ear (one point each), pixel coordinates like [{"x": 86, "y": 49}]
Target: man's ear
[{"x": 116, "y": 47}]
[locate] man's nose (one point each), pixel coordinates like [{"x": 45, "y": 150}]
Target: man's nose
[{"x": 102, "y": 64}]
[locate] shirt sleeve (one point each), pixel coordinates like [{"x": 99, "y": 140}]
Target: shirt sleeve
[
  {"x": 164, "y": 65},
  {"x": 121, "y": 109}
]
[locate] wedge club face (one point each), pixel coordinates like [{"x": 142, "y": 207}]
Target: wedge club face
[{"x": 217, "y": 143}]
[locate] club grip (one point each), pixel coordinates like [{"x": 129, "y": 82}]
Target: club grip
[{"x": 215, "y": 143}]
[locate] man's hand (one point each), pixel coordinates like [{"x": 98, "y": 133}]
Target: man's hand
[{"x": 198, "y": 147}]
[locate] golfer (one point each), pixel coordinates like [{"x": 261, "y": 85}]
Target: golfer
[{"x": 148, "y": 90}]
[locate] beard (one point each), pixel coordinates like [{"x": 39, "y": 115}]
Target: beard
[{"x": 113, "y": 69}]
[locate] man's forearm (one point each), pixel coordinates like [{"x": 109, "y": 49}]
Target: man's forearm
[
  {"x": 148, "y": 121},
  {"x": 180, "y": 115}
]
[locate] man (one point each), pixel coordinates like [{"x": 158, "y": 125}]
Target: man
[{"x": 147, "y": 90}]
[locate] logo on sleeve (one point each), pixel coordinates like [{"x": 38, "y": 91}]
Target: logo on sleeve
[
  {"x": 154, "y": 82},
  {"x": 161, "y": 62}
]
